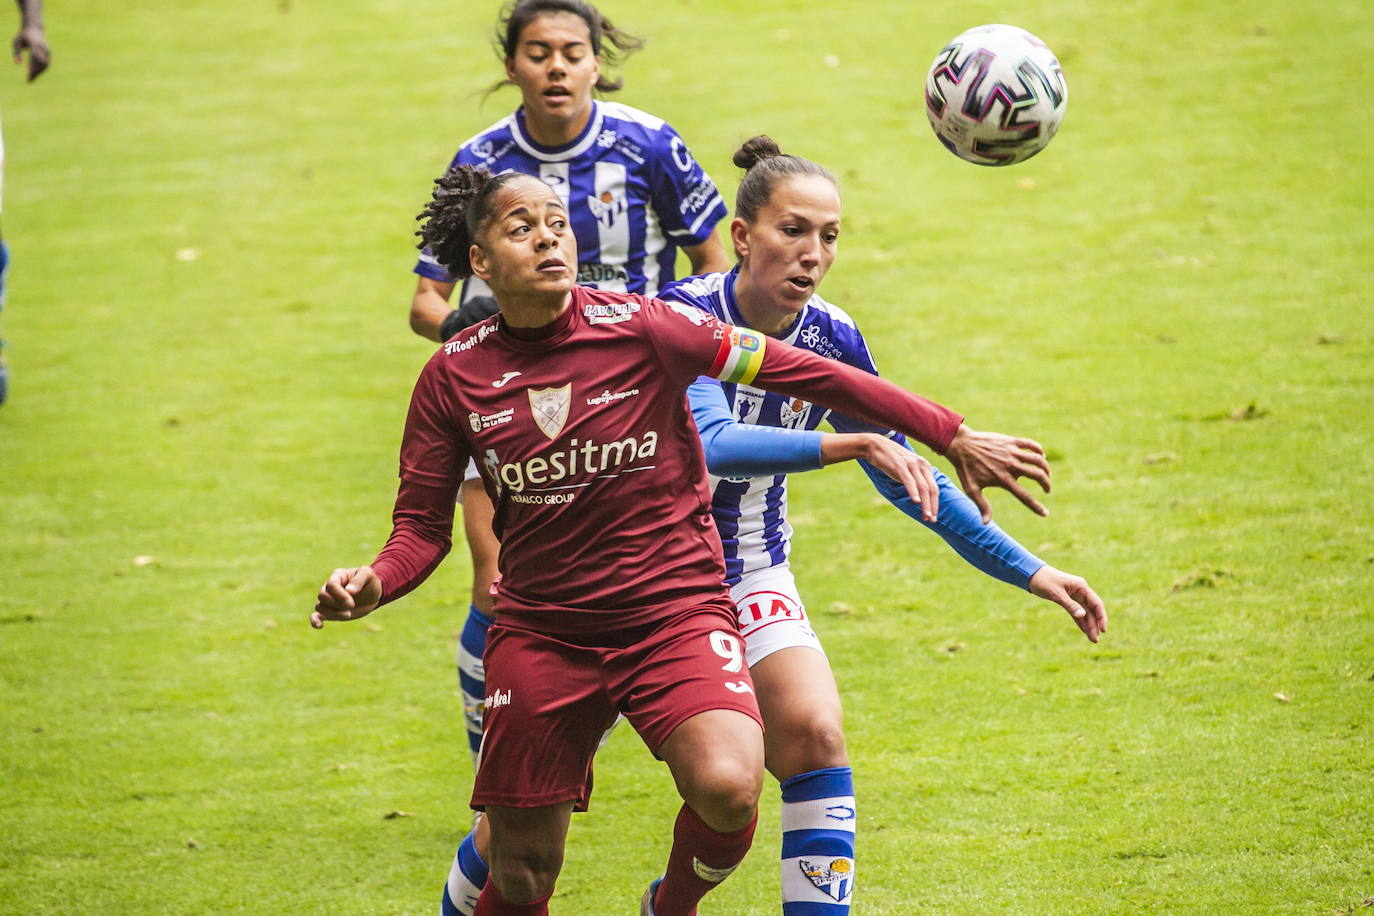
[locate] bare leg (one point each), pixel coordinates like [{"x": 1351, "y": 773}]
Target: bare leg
[
  {"x": 805, "y": 750},
  {"x": 801, "y": 710},
  {"x": 716, "y": 759},
  {"x": 526, "y": 851}
]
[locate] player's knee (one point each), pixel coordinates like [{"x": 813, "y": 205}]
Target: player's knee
[
  {"x": 822, "y": 743},
  {"x": 725, "y": 792},
  {"x": 526, "y": 873}
]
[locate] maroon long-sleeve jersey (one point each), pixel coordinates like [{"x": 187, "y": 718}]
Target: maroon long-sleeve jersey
[{"x": 590, "y": 455}]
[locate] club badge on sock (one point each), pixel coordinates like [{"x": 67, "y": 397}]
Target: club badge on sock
[
  {"x": 834, "y": 878},
  {"x": 707, "y": 873}
]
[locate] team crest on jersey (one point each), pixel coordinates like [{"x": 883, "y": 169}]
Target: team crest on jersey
[
  {"x": 793, "y": 412},
  {"x": 606, "y": 206},
  {"x": 834, "y": 878},
  {"x": 550, "y": 408}
]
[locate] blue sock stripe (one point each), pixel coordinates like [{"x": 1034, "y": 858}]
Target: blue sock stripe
[
  {"x": 831, "y": 782},
  {"x": 794, "y": 908},
  {"x": 474, "y": 638},
  {"x": 817, "y": 843},
  {"x": 470, "y": 685},
  {"x": 470, "y": 861},
  {"x": 446, "y": 907}
]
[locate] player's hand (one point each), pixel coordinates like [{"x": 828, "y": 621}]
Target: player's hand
[
  {"x": 347, "y": 595},
  {"x": 1073, "y": 594},
  {"x": 32, "y": 39},
  {"x": 994, "y": 460},
  {"x": 908, "y": 469}
]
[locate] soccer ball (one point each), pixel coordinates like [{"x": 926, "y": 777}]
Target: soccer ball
[{"x": 995, "y": 95}]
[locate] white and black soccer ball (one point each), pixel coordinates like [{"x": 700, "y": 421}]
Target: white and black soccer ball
[{"x": 996, "y": 95}]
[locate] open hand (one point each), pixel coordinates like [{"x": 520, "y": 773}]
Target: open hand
[{"x": 994, "y": 460}]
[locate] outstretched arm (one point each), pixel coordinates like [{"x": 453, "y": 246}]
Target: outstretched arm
[
  {"x": 981, "y": 459},
  {"x": 985, "y": 546},
  {"x": 691, "y": 342}
]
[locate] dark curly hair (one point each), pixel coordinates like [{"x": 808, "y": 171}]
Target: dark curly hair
[
  {"x": 764, "y": 165},
  {"x": 451, "y": 220},
  {"x": 609, "y": 43}
]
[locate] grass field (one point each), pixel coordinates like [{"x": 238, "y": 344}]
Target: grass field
[{"x": 210, "y": 209}]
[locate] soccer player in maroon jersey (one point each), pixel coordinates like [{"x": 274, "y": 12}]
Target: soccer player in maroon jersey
[{"x": 611, "y": 597}]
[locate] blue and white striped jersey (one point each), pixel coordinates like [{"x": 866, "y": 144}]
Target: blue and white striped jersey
[
  {"x": 633, "y": 191},
  {"x": 751, "y": 513}
]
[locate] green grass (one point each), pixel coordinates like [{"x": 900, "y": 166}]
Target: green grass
[{"x": 210, "y": 208}]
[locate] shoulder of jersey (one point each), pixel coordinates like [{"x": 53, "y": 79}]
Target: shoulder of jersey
[
  {"x": 469, "y": 337},
  {"x": 833, "y": 312},
  {"x": 631, "y": 120},
  {"x": 703, "y": 291},
  {"x": 498, "y": 132},
  {"x": 623, "y": 112}
]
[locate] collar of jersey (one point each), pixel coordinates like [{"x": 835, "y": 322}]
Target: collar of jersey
[
  {"x": 574, "y": 149},
  {"x": 737, "y": 317},
  {"x": 558, "y": 329}
]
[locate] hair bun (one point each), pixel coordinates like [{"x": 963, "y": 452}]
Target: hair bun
[{"x": 755, "y": 150}]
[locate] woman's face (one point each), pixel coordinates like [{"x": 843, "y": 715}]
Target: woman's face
[
  {"x": 555, "y": 67},
  {"x": 790, "y": 245},
  {"x": 525, "y": 246}
]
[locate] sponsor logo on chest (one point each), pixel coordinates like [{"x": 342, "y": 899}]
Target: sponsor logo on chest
[
  {"x": 479, "y": 422},
  {"x": 609, "y": 312},
  {"x": 610, "y": 397},
  {"x": 814, "y": 340}
]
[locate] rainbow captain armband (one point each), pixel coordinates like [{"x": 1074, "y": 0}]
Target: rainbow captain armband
[{"x": 740, "y": 356}]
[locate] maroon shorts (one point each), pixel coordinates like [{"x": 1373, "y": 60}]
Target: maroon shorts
[{"x": 551, "y": 698}]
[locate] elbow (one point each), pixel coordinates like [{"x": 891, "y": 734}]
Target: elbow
[{"x": 420, "y": 323}]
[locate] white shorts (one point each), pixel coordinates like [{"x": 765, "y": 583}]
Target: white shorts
[{"x": 771, "y": 614}]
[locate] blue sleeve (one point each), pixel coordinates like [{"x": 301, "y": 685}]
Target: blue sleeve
[
  {"x": 687, "y": 202},
  {"x": 986, "y": 547},
  {"x": 742, "y": 450}
]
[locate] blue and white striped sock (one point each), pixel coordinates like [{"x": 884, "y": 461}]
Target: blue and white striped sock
[
  {"x": 818, "y": 843},
  {"x": 471, "y": 677},
  {"x": 465, "y": 880}
]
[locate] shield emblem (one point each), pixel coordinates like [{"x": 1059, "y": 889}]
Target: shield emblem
[
  {"x": 550, "y": 408},
  {"x": 792, "y": 413},
  {"x": 835, "y": 878}
]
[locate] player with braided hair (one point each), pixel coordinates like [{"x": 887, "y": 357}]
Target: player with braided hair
[
  {"x": 611, "y": 597},
  {"x": 634, "y": 196}
]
